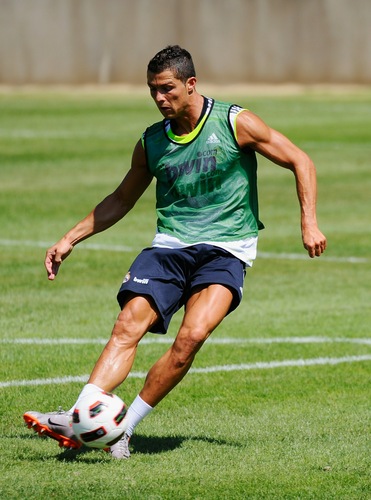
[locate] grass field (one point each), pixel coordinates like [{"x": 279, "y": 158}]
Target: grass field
[{"x": 278, "y": 403}]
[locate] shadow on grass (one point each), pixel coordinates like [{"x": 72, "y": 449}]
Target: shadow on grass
[
  {"x": 148, "y": 445},
  {"x": 152, "y": 445}
]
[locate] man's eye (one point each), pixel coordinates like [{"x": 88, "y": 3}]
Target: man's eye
[{"x": 162, "y": 90}]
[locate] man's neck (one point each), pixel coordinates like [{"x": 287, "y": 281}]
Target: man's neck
[{"x": 184, "y": 125}]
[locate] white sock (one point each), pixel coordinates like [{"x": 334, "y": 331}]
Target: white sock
[
  {"x": 135, "y": 414},
  {"x": 87, "y": 389}
]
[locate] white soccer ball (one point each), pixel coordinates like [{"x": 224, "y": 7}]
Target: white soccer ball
[{"x": 98, "y": 419}]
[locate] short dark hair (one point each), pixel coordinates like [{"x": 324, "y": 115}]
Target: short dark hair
[{"x": 173, "y": 57}]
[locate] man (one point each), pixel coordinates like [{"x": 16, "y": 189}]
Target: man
[{"x": 203, "y": 157}]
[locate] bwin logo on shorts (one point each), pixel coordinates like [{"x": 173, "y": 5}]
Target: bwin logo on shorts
[{"x": 143, "y": 281}]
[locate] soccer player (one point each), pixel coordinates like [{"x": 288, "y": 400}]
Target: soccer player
[{"x": 203, "y": 157}]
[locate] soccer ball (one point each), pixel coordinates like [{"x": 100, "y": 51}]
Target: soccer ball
[{"x": 98, "y": 419}]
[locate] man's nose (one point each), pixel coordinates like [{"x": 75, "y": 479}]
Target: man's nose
[{"x": 158, "y": 96}]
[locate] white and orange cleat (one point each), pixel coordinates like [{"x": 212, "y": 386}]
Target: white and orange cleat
[{"x": 56, "y": 425}]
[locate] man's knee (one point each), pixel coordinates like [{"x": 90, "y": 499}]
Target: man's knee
[{"x": 188, "y": 342}]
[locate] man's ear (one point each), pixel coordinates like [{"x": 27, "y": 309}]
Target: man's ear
[{"x": 191, "y": 84}]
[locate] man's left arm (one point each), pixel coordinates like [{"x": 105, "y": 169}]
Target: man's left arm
[{"x": 254, "y": 133}]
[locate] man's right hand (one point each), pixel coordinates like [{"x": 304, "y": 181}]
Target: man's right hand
[{"x": 54, "y": 257}]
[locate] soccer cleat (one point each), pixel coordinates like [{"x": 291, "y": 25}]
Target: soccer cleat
[
  {"x": 121, "y": 448},
  {"x": 56, "y": 425}
]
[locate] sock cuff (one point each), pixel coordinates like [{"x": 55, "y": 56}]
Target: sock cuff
[
  {"x": 143, "y": 403},
  {"x": 87, "y": 389},
  {"x": 91, "y": 387}
]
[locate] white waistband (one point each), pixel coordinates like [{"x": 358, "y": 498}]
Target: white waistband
[{"x": 244, "y": 250}]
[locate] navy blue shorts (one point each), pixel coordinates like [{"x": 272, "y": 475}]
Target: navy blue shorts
[{"x": 169, "y": 276}]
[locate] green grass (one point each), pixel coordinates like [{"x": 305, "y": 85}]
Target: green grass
[{"x": 275, "y": 433}]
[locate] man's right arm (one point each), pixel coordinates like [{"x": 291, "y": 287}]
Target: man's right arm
[{"x": 109, "y": 211}]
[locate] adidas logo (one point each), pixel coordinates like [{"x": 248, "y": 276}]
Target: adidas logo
[{"x": 213, "y": 139}]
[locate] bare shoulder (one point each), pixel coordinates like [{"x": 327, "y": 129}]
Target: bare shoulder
[
  {"x": 251, "y": 129},
  {"x": 137, "y": 178},
  {"x": 139, "y": 156}
]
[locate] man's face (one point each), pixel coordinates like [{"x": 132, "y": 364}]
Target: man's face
[{"x": 170, "y": 94}]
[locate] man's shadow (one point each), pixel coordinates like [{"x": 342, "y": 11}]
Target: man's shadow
[
  {"x": 151, "y": 444},
  {"x": 148, "y": 445}
]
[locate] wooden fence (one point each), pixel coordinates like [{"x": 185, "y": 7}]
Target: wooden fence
[{"x": 239, "y": 41}]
